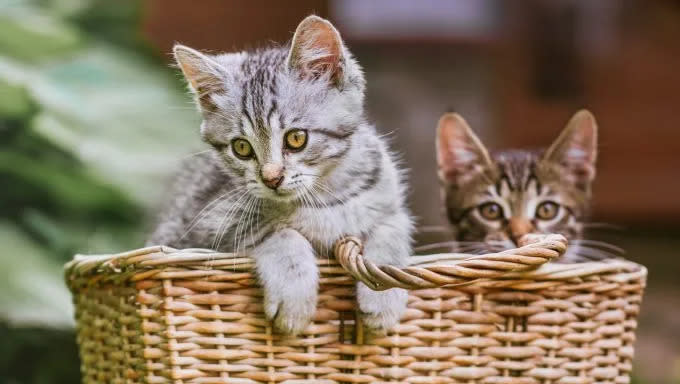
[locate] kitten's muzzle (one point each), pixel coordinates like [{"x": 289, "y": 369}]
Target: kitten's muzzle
[
  {"x": 272, "y": 175},
  {"x": 518, "y": 227}
]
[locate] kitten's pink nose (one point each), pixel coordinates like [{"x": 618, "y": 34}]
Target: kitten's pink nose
[
  {"x": 519, "y": 227},
  {"x": 272, "y": 175}
]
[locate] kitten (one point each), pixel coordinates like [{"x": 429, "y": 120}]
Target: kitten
[
  {"x": 294, "y": 167},
  {"x": 492, "y": 200}
]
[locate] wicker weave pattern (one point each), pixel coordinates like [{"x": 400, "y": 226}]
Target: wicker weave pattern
[{"x": 158, "y": 315}]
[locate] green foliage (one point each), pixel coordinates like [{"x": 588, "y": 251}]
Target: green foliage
[
  {"x": 38, "y": 39},
  {"x": 31, "y": 282},
  {"x": 25, "y": 359},
  {"x": 15, "y": 103},
  {"x": 91, "y": 127}
]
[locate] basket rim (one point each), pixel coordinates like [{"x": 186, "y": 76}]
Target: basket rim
[{"x": 125, "y": 265}]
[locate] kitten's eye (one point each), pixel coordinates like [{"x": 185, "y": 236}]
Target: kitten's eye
[
  {"x": 547, "y": 210},
  {"x": 296, "y": 139},
  {"x": 491, "y": 211},
  {"x": 242, "y": 148}
]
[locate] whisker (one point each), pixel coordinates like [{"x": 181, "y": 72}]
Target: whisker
[
  {"x": 256, "y": 211},
  {"x": 602, "y": 244},
  {"x": 193, "y": 107},
  {"x": 433, "y": 229},
  {"x": 227, "y": 219},
  {"x": 455, "y": 243},
  {"x": 387, "y": 134},
  {"x": 196, "y": 153},
  {"x": 235, "y": 205},
  {"x": 239, "y": 222},
  {"x": 243, "y": 222},
  {"x": 324, "y": 187},
  {"x": 249, "y": 220},
  {"x": 306, "y": 198},
  {"x": 218, "y": 114},
  {"x": 203, "y": 213},
  {"x": 588, "y": 253},
  {"x": 442, "y": 244},
  {"x": 240, "y": 226},
  {"x": 601, "y": 225},
  {"x": 470, "y": 247},
  {"x": 318, "y": 204},
  {"x": 327, "y": 189}
]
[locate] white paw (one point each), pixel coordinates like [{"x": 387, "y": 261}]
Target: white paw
[
  {"x": 290, "y": 314},
  {"x": 381, "y": 310}
]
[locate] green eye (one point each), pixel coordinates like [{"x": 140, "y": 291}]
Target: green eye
[
  {"x": 242, "y": 148},
  {"x": 491, "y": 211},
  {"x": 296, "y": 139},
  {"x": 547, "y": 210}
]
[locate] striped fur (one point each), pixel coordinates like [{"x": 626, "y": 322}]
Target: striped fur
[
  {"x": 343, "y": 182},
  {"x": 518, "y": 182}
]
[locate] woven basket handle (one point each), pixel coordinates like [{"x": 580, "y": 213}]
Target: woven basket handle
[{"x": 448, "y": 269}]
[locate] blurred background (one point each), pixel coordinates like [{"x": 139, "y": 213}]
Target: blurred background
[{"x": 93, "y": 121}]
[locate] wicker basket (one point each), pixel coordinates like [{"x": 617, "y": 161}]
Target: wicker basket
[{"x": 160, "y": 315}]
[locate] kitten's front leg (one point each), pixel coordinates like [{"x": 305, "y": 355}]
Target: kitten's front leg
[
  {"x": 286, "y": 267},
  {"x": 387, "y": 244}
]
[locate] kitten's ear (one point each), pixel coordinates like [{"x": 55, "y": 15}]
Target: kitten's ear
[
  {"x": 576, "y": 147},
  {"x": 201, "y": 72},
  {"x": 317, "y": 50},
  {"x": 460, "y": 153}
]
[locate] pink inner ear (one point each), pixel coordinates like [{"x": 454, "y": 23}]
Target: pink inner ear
[
  {"x": 581, "y": 147},
  {"x": 580, "y": 161},
  {"x": 201, "y": 74},
  {"x": 318, "y": 50},
  {"x": 326, "y": 64},
  {"x": 458, "y": 152},
  {"x": 576, "y": 148}
]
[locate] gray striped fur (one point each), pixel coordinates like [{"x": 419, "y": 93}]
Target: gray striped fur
[{"x": 344, "y": 181}]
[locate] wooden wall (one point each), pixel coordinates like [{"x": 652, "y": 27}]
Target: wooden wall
[{"x": 538, "y": 69}]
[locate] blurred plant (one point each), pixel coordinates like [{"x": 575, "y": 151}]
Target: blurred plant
[
  {"x": 24, "y": 357},
  {"x": 90, "y": 125}
]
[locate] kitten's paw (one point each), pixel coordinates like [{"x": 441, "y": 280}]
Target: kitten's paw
[
  {"x": 381, "y": 310},
  {"x": 290, "y": 315}
]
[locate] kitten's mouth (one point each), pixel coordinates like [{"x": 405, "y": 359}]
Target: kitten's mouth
[
  {"x": 279, "y": 194},
  {"x": 287, "y": 193}
]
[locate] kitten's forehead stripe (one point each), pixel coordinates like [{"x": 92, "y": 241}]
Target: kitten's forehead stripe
[
  {"x": 244, "y": 109},
  {"x": 503, "y": 185},
  {"x": 282, "y": 124},
  {"x": 260, "y": 89},
  {"x": 517, "y": 167},
  {"x": 272, "y": 109}
]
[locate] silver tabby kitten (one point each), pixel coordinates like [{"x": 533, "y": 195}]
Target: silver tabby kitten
[
  {"x": 295, "y": 166},
  {"x": 493, "y": 199}
]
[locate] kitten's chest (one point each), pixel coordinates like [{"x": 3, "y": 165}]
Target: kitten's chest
[{"x": 322, "y": 227}]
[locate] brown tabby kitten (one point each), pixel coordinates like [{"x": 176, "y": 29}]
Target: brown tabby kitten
[{"x": 492, "y": 200}]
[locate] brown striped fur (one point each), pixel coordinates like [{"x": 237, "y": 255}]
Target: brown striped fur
[{"x": 517, "y": 181}]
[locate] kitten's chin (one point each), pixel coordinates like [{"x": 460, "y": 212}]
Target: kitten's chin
[{"x": 279, "y": 195}]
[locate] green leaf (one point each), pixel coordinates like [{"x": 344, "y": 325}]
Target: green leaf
[
  {"x": 116, "y": 113},
  {"x": 29, "y": 34},
  {"x": 15, "y": 102},
  {"x": 32, "y": 291}
]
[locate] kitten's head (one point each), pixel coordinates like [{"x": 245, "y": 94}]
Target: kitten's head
[
  {"x": 280, "y": 118},
  {"x": 499, "y": 197}
]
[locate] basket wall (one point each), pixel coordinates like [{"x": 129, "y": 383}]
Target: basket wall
[{"x": 189, "y": 325}]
